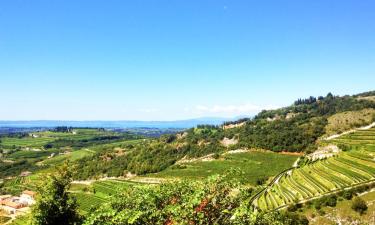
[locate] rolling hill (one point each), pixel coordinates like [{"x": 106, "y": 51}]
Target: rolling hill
[
  {"x": 296, "y": 128},
  {"x": 310, "y": 152}
]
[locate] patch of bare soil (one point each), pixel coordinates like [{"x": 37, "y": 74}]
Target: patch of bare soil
[
  {"x": 228, "y": 142},
  {"x": 324, "y": 152},
  {"x": 237, "y": 151},
  {"x": 230, "y": 126},
  {"x": 206, "y": 158}
]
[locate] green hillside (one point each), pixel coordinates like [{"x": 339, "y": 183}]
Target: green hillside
[
  {"x": 296, "y": 128},
  {"x": 255, "y": 167},
  {"x": 354, "y": 167},
  {"x": 258, "y": 168}
]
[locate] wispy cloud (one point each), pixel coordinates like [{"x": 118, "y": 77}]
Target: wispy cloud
[
  {"x": 148, "y": 110},
  {"x": 232, "y": 110}
]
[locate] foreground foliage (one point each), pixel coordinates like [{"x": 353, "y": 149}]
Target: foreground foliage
[
  {"x": 216, "y": 200},
  {"x": 212, "y": 201},
  {"x": 54, "y": 204}
]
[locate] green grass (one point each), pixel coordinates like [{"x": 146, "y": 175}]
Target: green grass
[
  {"x": 26, "y": 142},
  {"x": 79, "y": 187},
  {"x": 72, "y": 156},
  {"x": 253, "y": 164},
  {"x": 23, "y": 154},
  {"x": 341, "y": 122},
  {"x": 22, "y": 220}
]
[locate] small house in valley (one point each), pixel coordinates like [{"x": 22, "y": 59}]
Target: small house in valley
[{"x": 14, "y": 204}]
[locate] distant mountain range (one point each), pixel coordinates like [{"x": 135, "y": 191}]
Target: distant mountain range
[{"x": 117, "y": 124}]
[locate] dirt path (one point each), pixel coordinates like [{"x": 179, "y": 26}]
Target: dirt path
[
  {"x": 295, "y": 164},
  {"x": 89, "y": 182},
  {"x": 88, "y": 150},
  {"x": 145, "y": 180},
  {"x": 349, "y": 131}
]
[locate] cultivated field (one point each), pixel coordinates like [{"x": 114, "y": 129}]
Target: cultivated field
[
  {"x": 95, "y": 194},
  {"x": 351, "y": 168},
  {"x": 254, "y": 165}
]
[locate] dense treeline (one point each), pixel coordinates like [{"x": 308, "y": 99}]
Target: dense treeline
[
  {"x": 296, "y": 128},
  {"x": 310, "y": 100},
  {"x": 282, "y": 135},
  {"x": 236, "y": 122},
  {"x": 63, "y": 129}
]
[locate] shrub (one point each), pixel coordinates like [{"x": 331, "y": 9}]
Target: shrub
[
  {"x": 321, "y": 212},
  {"x": 261, "y": 180},
  {"x": 292, "y": 208},
  {"x": 359, "y": 205},
  {"x": 216, "y": 156},
  {"x": 331, "y": 201},
  {"x": 348, "y": 194},
  {"x": 317, "y": 205}
]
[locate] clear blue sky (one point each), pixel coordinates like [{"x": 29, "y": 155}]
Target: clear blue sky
[{"x": 173, "y": 59}]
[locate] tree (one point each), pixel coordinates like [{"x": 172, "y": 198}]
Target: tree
[
  {"x": 54, "y": 204},
  {"x": 359, "y": 205}
]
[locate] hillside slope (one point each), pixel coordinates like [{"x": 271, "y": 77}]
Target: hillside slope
[
  {"x": 295, "y": 128},
  {"x": 319, "y": 176}
]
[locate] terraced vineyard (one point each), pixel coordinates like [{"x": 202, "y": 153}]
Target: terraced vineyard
[
  {"x": 348, "y": 169},
  {"x": 94, "y": 195},
  {"x": 88, "y": 201},
  {"x": 110, "y": 187}
]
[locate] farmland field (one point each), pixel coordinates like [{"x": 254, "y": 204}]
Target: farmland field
[
  {"x": 26, "y": 141},
  {"x": 78, "y": 154},
  {"x": 86, "y": 201},
  {"x": 354, "y": 167},
  {"x": 89, "y": 196},
  {"x": 253, "y": 164},
  {"x": 75, "y": 155}
]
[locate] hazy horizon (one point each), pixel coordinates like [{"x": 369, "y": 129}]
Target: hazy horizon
[{"x": 181, "y": 124}]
